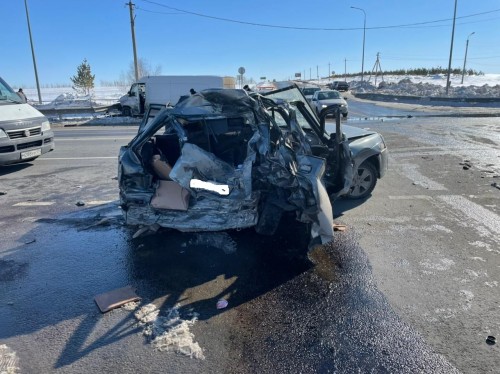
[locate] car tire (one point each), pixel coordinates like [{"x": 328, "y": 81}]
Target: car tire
[
  {"x": 126, "y": 111},
  {"x": 364, "y": 181},
  {"x": 344, "y": 115}
]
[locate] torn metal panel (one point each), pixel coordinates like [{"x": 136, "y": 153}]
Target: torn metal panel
[{"x": 215, "y": 214}]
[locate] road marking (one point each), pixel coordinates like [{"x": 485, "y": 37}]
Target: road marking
[
  {"x": 78, "y": 158},
  {"x": 412, "y": 197},
  {"x": 35, "y": 203},
  {"x": 99, "y": 202},
  {"x": 411, "y": 172},
  {"x": 91, "y": 139},
  {"x": 474, "y": 211}
]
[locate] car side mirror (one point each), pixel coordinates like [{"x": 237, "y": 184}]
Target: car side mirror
[
  {"x": 345, "y": 98},
  {"x": 314, "y": 99}
]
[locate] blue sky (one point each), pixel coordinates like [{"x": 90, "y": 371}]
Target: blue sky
[{"x": 67, "y": 31}]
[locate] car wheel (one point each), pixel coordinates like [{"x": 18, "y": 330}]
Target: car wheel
[
  {"x": 363, "y": 182},
  {"x": 126, "y": 111},
  {"x": 344, "y": 115}
]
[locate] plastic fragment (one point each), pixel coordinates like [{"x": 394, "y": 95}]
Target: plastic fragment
[{"x": 221, "y": 304}]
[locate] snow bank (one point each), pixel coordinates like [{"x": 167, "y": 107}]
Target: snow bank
[{"x": 430, "y": 86}]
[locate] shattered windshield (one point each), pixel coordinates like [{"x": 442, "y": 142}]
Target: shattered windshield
[{"x": 293, "y": 94}]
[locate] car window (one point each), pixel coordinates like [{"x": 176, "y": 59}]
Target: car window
[{"x": 331, "y": 95}]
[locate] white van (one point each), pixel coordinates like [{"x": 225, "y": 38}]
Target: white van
[{"x": 25, "y": 133}]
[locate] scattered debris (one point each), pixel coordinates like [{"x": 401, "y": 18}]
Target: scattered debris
[
  {"x": 146, "y": 230},
  {"x": 222, "y": 304},
  {"x": 101, "y": 222},
  {"x": 170, "y": 332},
  {"x": 116, "y": 298},
  {"x": 339, "y": 227},
  {"x": 491, "y": 340},
  {"x": 30, "y": 241},
  {"x": 466, "y": 165},
  {"x": 80, "y": 203},
  {"x": 3, "y": 193},
  {"x": 496, "y": 185}
]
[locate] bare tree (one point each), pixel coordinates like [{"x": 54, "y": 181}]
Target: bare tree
[{"x": 144, "y": 68}]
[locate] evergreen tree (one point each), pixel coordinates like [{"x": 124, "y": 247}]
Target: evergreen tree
[{"x": 83, "y": 81}]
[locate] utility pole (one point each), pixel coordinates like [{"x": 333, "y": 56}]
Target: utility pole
[
  {"x": 451, "y": 49},
  {"x": 317, "y": 73},
  {"x": 329, "y": 74},
  {"x": 132, "y": 27},
  {"x": 345, "y": 69},
  {"x": 33, "y": 54},
  {"x": 465, "y": 59},
  {"x": 309, "y": 73},
  {"x": 377, "y": 68}
]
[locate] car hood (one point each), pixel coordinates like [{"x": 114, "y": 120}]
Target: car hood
[
  {"x": 333, "y": 102},
  {"x": 353, "y": 133}
]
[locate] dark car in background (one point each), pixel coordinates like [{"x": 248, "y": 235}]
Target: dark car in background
[{"x": 339, "y": 85}]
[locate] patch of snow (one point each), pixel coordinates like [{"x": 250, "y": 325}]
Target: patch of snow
[
  {"x": 8, "y": 360},
  {"x": 169, "y": 333}
]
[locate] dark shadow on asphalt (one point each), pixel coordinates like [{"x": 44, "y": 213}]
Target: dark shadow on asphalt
[
  {"x": 342, "y": 205},
  {"x": 9, "y": 169},
  {"x": 69, "y": 264}
]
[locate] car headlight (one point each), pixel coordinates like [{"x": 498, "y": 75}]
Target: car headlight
[
  {"x": 2, "y": 134},
  {"x": 45, "y": 126},
  {"x": 324, "y": 106}
]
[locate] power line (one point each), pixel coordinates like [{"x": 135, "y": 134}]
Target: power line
[{"x": 313, "y": 28}]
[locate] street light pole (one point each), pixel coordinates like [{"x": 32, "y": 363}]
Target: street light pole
[
  {"x": 451, "y": 49},
  {"x": 33, "y": 54},
  {"x": 465, "y": 58},
  {"x": 364, "y": 34}
]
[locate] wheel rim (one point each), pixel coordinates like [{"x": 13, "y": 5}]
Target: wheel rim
[{"x": 362, "y": 182}]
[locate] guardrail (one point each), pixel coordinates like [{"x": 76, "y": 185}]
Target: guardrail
[{"x": 413, "y": 98}]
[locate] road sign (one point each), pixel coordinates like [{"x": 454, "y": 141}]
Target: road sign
[{"x": 241, "y": 70}]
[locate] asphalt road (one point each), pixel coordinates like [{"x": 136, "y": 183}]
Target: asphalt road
[{"x": 412, "y": 286}]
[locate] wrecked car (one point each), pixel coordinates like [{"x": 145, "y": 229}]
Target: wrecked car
[
  {"x": 223, "y": 159},
  {"x": 368, "y": 149}
]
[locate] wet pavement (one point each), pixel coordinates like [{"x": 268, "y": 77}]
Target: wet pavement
[{"x": 285, "y": 313}]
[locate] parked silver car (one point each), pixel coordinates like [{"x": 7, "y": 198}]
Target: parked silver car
[{"x": 327, "y": 98}]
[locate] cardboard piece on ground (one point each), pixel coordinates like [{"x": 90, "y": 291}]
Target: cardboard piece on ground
[
  {"x": 339, "y": 227},
  {"x": 170, "y": 195},
  {"x": 116, "y": 298}
]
